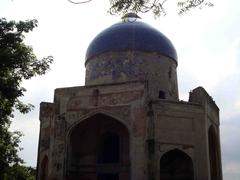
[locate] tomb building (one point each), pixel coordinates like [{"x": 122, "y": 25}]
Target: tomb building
[{"x": 127, "y": 122}]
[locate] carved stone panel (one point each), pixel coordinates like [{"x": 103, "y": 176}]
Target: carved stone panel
[
  {"x": 120, "y": 112},
  {"x": 175, "y": 123},
  {"x": 119, "y": 98},
  {"x": 81, "y": 102}
]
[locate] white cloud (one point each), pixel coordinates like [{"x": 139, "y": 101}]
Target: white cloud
[
  {"x": 232, "y": 167},
  {"x": 30, "y": 129},
  {"x": 237, "y": 105}
]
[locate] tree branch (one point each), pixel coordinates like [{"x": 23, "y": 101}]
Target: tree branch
[{"x": 80, "y": 2}]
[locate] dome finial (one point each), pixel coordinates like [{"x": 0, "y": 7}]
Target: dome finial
[{"x": 130, "y": 17}]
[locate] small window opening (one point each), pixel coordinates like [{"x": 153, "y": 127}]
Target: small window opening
[
  {"x": 95, "y": 92},
  {"x": 170, "y": 73},
  {"x": 95, "y": 95},
  {"x": 162, "y": 95}
]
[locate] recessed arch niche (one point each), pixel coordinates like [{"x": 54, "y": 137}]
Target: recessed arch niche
[
  {"x": 176, "y": 165},
  {"x": 98, "y": 149}
]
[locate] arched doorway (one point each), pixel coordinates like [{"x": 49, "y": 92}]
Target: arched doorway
[
  {"x": 98, "y": 150},
  {"x": 176, "y": 165},
  {"x": 213, "y": 154},
  {"x": 44, "y": 169}
]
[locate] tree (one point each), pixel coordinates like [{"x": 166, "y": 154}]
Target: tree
[
  {"x": 157, "y": 7},
  {"x": 17, "y": 63},
  {"x": 21, "y": 172}
]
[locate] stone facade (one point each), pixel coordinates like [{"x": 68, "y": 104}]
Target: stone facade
[
  {"x": 154, "y": 127},
  {"x": 127, "y": 123}
]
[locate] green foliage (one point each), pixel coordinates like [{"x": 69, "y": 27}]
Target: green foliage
[
  {"x": 9, "y": 147},
  {"x": 157, "y": 7},
  {"x": 17, "y": 63},
  {"x": 20, "y": 172}
]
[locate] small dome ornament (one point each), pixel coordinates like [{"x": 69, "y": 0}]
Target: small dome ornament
[{"x": 130, "y": 17}]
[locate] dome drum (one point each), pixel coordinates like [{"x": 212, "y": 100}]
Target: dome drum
[{"x": 119, "y": 67}]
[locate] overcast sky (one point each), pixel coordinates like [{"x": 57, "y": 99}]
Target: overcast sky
[{"x": 207, "y": 42}]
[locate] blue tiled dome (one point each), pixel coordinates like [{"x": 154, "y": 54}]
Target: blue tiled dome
[{"x": 126, "y": 35}]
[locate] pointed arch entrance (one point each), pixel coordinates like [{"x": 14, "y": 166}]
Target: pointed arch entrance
[
  {"x": 98, "y": 149},
  {"x": 176, "y": 165}
]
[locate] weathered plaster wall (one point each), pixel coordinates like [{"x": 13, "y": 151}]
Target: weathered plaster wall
[
  {"x": 115, "y": 67},
  {"x": 162, "y": 124}
]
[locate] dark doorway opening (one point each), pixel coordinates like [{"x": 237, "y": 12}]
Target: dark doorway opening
[
  {"x": 176, "y": 165},
  {"x": 109, "y": 150},
  {"x": 108, "y": 177}
]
